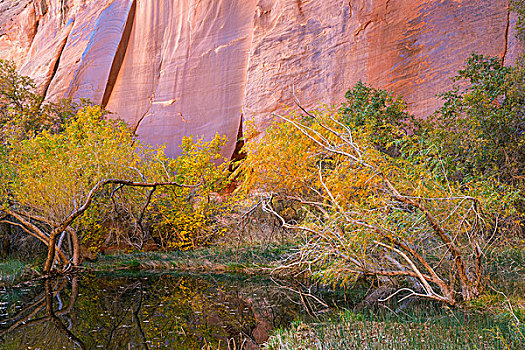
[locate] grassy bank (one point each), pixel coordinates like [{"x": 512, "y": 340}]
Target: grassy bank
[
  {"x": 446, "y": 329},
  {"x": 13, "y": 271},
  {"x": 246, "y": 259}
]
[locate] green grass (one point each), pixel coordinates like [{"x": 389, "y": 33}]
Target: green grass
[
  {"x": 13, "y": 270},
  {"x": 248, "y": 259},
  {"x": 445, "y": 330},
  {"x": 505, "y": 287}
]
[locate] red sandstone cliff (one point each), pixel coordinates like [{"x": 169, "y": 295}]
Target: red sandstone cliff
[{"x": 177, "y": 67}]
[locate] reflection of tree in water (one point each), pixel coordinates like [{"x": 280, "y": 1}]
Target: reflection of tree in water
[
  {"x": 156, "y": 312},
  {"x": 184, "y": 312},
  {"x": 38, "y": 322}
]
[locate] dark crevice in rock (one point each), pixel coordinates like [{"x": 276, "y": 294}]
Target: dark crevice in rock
[
  {"x": 35, "y": 30},
  {"x": 152, "y": 98},
  {"x": 55, "y": 67},
  {"x": 363, "y": 28},
  {"x": 120, "y": 54},
  {"x": 507, "y": 33},
  {"x": 300, "y": 7},
  {"x": 238, "y": 154},
  {"x": 387, "y": 5},
  {"x": 40, "y": 7},
  {"x": 38, "y": 17}
]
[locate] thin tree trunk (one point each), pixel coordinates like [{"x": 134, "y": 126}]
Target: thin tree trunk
[
  {"x": 50, "y": 252},
  {"x": 76, "y": 247}
]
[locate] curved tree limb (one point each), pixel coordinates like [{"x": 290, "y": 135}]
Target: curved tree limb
[{"x": 92, "y": 193}]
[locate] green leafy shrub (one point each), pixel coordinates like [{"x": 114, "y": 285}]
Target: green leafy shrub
[
  {"x": 380, "y": 114},
  {"x": 480, "y": 130},
  {"x": 23, "y": 112}
]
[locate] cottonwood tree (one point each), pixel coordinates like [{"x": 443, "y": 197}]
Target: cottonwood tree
[
  {"x": 52, "y": 182},
  {"x": 363, "y": 212},
  {"x": 70, "y": 178}
]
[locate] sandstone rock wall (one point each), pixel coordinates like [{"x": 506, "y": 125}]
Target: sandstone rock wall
[{"x": 178, "y": 67}]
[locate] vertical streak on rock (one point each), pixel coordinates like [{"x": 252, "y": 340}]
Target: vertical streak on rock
[
  {"x": 240, "y": 133},
  {"x": 64, "y": 9},
  {"x": 120, "y": 54},
  {"x": 91, "y": 52},
  {"x": 39, "y": 12},
  {"x": 55, "y": 67}
]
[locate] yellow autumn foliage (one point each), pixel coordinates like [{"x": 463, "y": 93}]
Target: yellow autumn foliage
[
  {"x": 48, "y": 176},
  {"x": 364, "y": 212}
]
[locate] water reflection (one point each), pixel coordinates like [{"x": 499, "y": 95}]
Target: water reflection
[
  {"x": 39, "y": 313},
  {"x": 154, "y": 312}
]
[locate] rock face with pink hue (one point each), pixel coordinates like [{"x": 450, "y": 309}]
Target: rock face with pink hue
[
  {"x": 178, "y": 67},
  {"x": 321, "y": 48}
]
